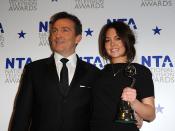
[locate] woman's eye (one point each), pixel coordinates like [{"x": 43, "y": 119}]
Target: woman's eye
[
  {"x": 117, "y": 38},
  {"x": 107, "y": 40}
]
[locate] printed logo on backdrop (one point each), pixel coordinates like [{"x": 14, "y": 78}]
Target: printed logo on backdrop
[
  {"x": 14, "y": 68},
  {"x": 95, "y": 60},
  {"x": 129, "y": 21},
  {"x": 2, "y": 41},
  {"x": 89, "y": 32},
  {"x": 156, "y": 3},
  {"x": 23, "y": 5},
  {"x": 162, "y": 68},
  {"x": 159, "y": 109},
  {"x": 43, "y": 33},
  {"x": 156, "y": 30},
  {"x": 89, "y": 4}
]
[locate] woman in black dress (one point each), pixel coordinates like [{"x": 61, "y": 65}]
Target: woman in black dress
[{"x": 116, "y": 44}]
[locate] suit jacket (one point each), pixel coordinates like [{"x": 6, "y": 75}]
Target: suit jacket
[{"x": 40, "y": 106}]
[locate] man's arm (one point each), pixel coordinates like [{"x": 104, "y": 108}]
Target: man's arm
[{"x": 21, "y": 116}]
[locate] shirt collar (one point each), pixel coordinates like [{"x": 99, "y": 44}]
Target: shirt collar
[{"x": 72, "y": 58}]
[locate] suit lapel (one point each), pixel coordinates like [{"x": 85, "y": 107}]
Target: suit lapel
[
  {"x": 79, "y": 71},
  {"x": 53, "y": 79}
]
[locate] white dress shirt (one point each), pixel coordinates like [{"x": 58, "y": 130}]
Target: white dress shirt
[{"x": 71, "y": 64}]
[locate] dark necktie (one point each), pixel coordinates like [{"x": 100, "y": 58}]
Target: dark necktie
[{"x": 64, "y": 80}]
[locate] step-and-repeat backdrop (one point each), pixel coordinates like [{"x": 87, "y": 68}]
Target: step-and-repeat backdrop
[{"x": 24, "y": 38}]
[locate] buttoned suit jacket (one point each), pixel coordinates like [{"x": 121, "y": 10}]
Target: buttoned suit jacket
[{"x": 40, "y": 106}]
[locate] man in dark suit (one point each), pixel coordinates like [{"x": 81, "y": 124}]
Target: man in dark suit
[{"x": 43, "y": 103}]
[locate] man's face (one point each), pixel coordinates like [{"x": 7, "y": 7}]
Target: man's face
[{"x": 63, "y": 37}]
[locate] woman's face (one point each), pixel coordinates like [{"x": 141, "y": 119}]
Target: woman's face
[{"x": 115, "y": 47}]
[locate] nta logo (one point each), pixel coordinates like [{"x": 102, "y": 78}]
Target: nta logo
[{"x": 18, "y": 63}]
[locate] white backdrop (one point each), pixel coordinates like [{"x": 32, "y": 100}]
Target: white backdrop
[{"x": 152, "y": 21}]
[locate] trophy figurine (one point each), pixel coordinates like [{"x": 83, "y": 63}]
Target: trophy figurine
[{"x": 125, "y": 113}]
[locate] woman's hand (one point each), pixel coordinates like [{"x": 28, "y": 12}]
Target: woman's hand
[
  {"x": 129, "y": 94},
  {"x": 139, "y": 120}
]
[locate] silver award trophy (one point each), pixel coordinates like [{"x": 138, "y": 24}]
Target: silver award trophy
[{"x": 125, "y": 114}]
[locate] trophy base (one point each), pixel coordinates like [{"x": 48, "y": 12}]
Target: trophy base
[{"x": 125, "y": 121}]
